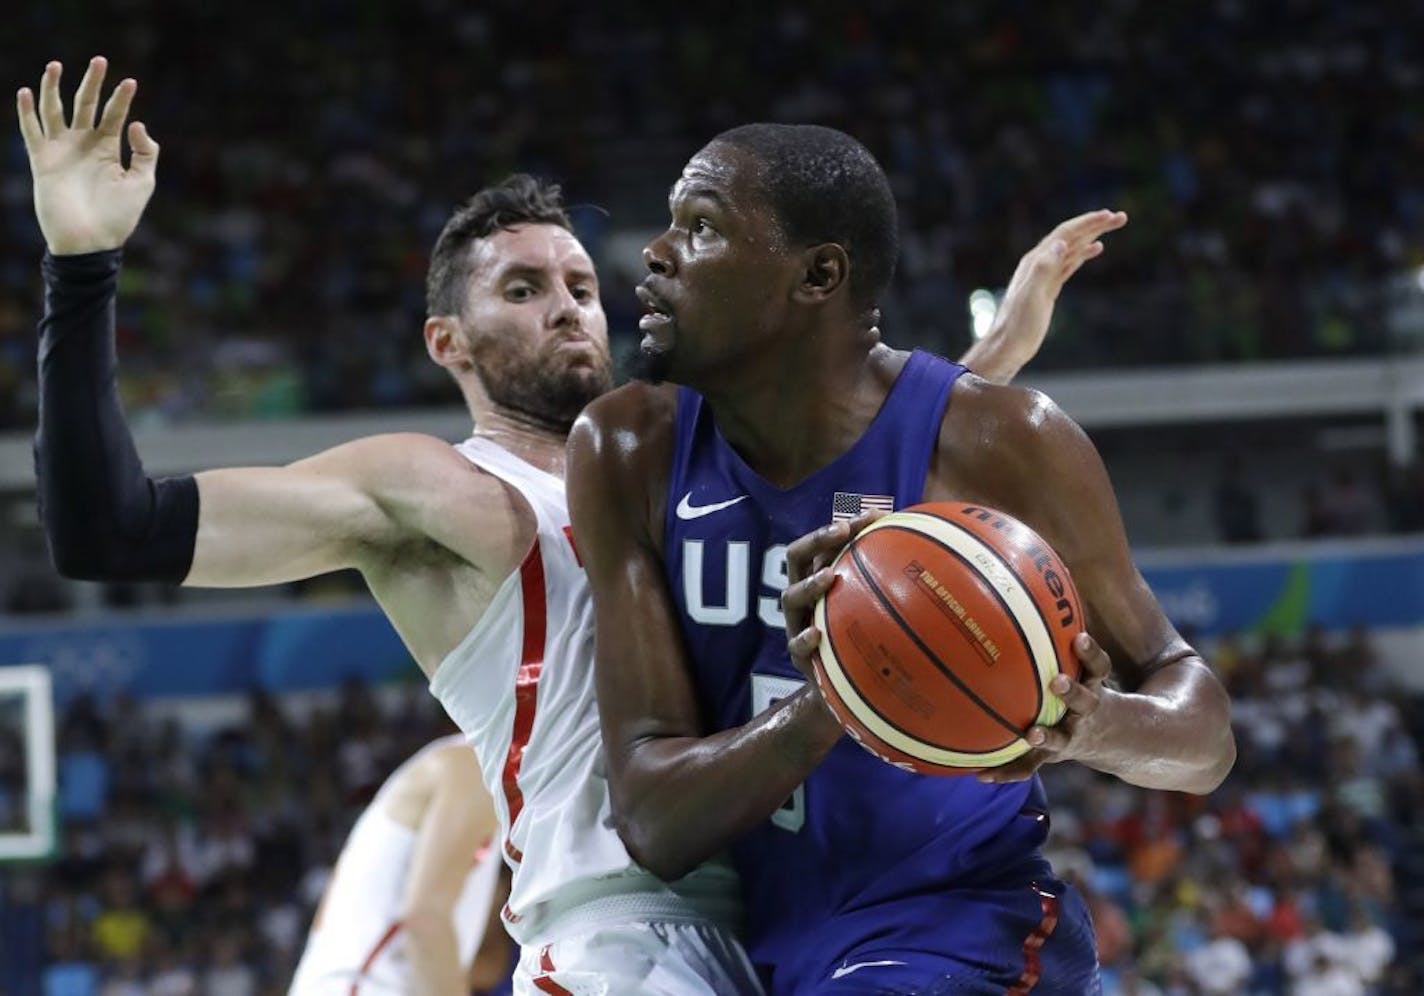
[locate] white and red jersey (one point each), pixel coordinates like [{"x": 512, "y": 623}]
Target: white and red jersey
[
  {"x": 521, "y": 687},
  {"x": 358, "y": 947}
]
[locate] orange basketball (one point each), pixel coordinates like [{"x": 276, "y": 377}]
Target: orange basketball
[{"x": 942, "y": 632}]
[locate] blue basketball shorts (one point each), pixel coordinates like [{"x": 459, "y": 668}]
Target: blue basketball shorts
[{"x": 1007, "y": 941}]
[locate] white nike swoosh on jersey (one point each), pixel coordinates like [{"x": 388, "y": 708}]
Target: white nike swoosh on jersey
[
  {"x": 845, "y": 970},
  {"x": 687, "y": 510}
]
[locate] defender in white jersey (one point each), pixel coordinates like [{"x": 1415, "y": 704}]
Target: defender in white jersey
[
  {"x": 409, "y": 902},
  {"x": 466, "y": 548}
]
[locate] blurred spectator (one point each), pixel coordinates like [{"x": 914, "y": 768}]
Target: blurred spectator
[
  {"x": 125, "y": 979},
  {"x": 1221, "y": 966},
  {"x": 122, "y": 927},
  {"x": 1315, "y": 518},
  {"x": 170, "y": 977},
  {"x": 229, "y": 974},
  {"x": 1327, "y": 978},
  {"x": 83, "y": 778},
  {"x": 72, "y": 970},
  {"x": 1405, "y": 497},
  {"x": 1235, "y": 506},
  {"x": 1347, "y": 508},
  {"x": 1366, "y": 948}
]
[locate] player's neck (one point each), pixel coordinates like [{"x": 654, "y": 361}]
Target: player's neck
[
  {"x": 797, "y": 415},
  {"x": 534, "y": 442}
]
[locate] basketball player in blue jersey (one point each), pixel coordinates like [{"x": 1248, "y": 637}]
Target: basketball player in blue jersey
[{"x": 859, "y": 877}]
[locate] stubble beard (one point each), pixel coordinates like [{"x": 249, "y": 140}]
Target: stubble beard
[{"x": 550, "y": 397}]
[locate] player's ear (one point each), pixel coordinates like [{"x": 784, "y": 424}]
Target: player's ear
[
  {"x": 825, "y": 269},
  {"x": 446, "y": 342}
]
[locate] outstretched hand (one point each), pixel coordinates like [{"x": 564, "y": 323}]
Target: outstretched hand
[
  {"x": 1079, "y": 734},
  {"x": 85, "y": 200},
  {"x": 1022, "y": 321}
]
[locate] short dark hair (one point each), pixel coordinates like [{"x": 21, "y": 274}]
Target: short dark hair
[
  {"x": 826, "y": 187},
  {"x": 520, "y": 199}
]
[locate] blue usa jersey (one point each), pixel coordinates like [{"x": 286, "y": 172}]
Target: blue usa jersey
[{"x": 859, "y": 835}]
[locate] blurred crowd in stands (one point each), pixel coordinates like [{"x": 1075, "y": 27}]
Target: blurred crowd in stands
[
  {"x": 1302, "y": 876},
  {"x": 192, "y": 857},
  {"x": 191, "y": 860},
  {"x": 1271, "y": 158},
  {"x": 1337, "y": 502}
]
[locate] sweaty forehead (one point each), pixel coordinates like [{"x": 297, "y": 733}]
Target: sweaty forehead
[
  {"x": 725, "y": 173},
  {"x": 543, "y": 248}
]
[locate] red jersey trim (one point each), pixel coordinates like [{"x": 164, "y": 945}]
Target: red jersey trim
[
  {"x": 1033, "y": 944},
  {"x": 526, "y": 682}
]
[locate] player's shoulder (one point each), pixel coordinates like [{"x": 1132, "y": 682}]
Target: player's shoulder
[
  {"x": 628, "y": 425},
  {"x": 402, "y": 452},
  {"x": 635, "y": 405},
  {"x": 417, "y": 457},
  {"x": 427, "y": 483},
  {"x": 1001, "y": 423}
]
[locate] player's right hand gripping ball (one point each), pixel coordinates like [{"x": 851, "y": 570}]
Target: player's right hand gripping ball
[{"x": 942, "y": 632}]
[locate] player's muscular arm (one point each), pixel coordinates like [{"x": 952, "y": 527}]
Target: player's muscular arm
[
  {"x": 459, "y": 818},
  {"x": 346, "y": 507},
  {"x": 678, "y": 797},
  {"x": 104, "y": 517},
  {"x": 1170, "y": 729}
]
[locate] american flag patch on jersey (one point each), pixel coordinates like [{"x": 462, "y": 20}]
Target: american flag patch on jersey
[{"x": 847, "y": 505}]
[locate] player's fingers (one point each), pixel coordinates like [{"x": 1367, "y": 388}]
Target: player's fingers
[
  {"x": 1089, "y": 225},
  {"x": 1050, "y": 739},
  {"x": 1076, "y": 226},
  {"x": 1079, "y": 698},
  {"x": 145, "y": 149},
  {"x": 1107, "y": 221},
  {"x": 801, "y": 554},
  {"x": 827, "y": 555},
  {"x": 30, "y": 129},
  {"x": 1016, "y": 770},
  {"x": 862, "y": 521},
  {"x": 802, "y": 646},
  {"x": 117, "y": 108},
  {"x": 804, "y": 594},
  {"x": 1089, "y": 251},
  {"x": 1097, "y": 665},
  {"x": 86, "y": 98},
  {"x": 51, "y": 107}
]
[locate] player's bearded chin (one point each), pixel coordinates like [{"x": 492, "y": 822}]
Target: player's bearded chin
[{"x": 552, "y": 395}]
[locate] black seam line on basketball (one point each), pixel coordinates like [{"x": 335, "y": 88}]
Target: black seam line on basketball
[
  {"x": 1008, "y": 613},
  {"x": 929, "y": 654},
  {"x": 830, "y": 638},
  {"x": 1003, "y": 604},
  {"x": 1019, "y": 578}
]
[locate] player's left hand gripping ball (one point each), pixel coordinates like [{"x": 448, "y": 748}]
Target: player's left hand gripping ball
[
  {"x": 1077, "y": 735},
  {"x": 809, "y": 577}
]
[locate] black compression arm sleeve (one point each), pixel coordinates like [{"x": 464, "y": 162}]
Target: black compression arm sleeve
[{"x": 104, "y": 518}]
